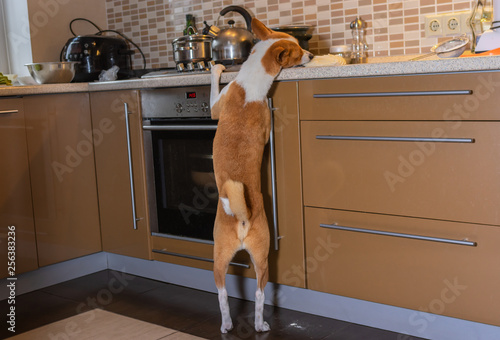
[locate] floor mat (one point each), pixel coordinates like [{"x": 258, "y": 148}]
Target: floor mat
[{"x": 98, "y": 324}]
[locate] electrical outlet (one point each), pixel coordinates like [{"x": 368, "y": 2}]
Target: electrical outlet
[
  {"x": 433, "y": 26},
  {"x": 452, "y": 24},
  {"x": 447, "y": 24}
]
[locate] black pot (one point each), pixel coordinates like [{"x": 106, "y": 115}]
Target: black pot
[
  {"x": 97, "y": 53},
  {"x": 303, "y": 33}
]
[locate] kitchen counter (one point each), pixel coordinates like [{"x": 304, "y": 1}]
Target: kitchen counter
[{"x": 381, "y": 66}]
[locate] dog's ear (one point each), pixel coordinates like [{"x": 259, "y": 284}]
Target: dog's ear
[
  {"x": 282, "y": 55},
  {"x": 260, "y": 30}
]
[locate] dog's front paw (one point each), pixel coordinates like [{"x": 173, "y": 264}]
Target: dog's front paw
[
  {"x": 218, "y": 68},
  {"x": 226, "y": 326},
  {"x": 262, "y": 327}
]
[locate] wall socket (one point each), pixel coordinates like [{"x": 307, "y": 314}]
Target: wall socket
[{"x": 447, "y": 24}]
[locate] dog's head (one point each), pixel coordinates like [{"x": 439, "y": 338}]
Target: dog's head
[{"x": 284, "y": 50}]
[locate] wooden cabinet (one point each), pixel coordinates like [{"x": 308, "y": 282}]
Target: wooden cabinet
[
  {"x": 63, "y": 182},
  {"x": 390, "y": 167},
  {"x": 394, "y": 168},
  {"x": 446, "y": 97},
  {"x": 287, "y": 264},
  {"x": 119, "y": 234},
  {"x": 437, "y": 277},
  {"x": 15, "y": 193}
]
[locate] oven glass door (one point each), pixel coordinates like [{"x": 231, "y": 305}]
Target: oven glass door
[{"x": 185, "y": 190}]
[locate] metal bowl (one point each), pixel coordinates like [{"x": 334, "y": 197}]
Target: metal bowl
[
  {"x": 52, "y": 72},
  {"x": 451, "y": 48}
]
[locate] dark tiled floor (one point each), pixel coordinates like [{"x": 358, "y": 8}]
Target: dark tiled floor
[{"x": 184, "y": 309}]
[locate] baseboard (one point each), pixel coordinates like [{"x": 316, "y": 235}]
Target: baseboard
[
  {"x": 396, "y": 319},
  {"x": 56, "y": 273},
  {"x": 400, "y": 320}
]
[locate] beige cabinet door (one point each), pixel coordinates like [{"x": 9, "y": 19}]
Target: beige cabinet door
[
  {"x": 16, "y": 211},
  {"x": 286, "y": 265},
  {"x": 394, "y": 168},
  {"x": 61, "y": 157},
  {"x": 452, "y": 275},
  {"x": 119, "y": 235}
]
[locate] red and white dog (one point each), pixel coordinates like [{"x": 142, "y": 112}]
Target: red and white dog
[{"x": 242, "y": 132}]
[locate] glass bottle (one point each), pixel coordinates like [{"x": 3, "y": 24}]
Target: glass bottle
[
  {"x": 359, "y": 45},
  {"x": 190, "y": 25}
]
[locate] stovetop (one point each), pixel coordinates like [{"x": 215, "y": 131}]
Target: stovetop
[{"x": 172, "y": 72}]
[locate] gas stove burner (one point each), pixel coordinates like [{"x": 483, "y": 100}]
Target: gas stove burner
[
  {"x": 199, "y": 66},
  {"x": 186, "y": 69}
]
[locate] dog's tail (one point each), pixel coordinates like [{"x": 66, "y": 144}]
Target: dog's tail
[{"x": 233, "y": 200}]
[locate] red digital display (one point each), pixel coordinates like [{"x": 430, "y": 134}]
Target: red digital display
[{"x": 190, "y": 95}]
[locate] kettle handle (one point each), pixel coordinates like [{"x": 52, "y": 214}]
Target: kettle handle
[{"x": 246, "y": 15}]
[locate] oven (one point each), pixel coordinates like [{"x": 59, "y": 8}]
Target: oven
[{"x": 182, "y": 194}]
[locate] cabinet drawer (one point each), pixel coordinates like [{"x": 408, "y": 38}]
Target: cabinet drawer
[
  {"x": 387, "y": 168},
  {"x": 197, "y": 254},
  {"x": 465, "y": 96},
  {"x": 436, "y": 277}
]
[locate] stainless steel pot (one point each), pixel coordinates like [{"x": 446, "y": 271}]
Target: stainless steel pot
[
  {"x": 232, "y": 45},
  {"x": 192, "y": 48}
]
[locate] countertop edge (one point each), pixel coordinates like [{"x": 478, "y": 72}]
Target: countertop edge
[{"x": 394, "y": 67}]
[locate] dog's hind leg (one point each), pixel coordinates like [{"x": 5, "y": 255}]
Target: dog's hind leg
[
  {"x": 259, "y": 255},
  {"x": 262, "y": 277},
  {"x": 221, "y": 262}
]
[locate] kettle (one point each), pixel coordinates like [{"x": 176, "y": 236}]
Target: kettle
[{"x": 232, "y": 45}]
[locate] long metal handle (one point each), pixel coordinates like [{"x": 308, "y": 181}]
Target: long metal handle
[
  {"x": 199, "y": 258},
  {"x": 179, "y": 127},
  {"x": 393, "y": 94},
  {"x": 8, "y": 112},
  {"x": 130, "y": 168},
  {"x": 398, "y": 139},
  {"x": 410, "y": 236},
  {"x": 273, "y": 176},
  {"x": 423, "y": 56}
]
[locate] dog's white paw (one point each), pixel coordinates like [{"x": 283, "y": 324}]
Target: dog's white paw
[
  {"x": 226, "y": 326},
  {"x": 262, "y": 327},
  {"x": 218, "y": 68}
]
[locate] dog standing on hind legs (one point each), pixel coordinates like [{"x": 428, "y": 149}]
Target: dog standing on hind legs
[{"x": 243, "y": 131}]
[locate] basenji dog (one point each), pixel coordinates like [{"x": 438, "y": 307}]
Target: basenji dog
[{"x": 242, "y": 132}]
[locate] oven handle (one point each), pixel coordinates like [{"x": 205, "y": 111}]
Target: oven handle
[
  {"x": 130, "y": 169},
  {"x": 179, "y": 127},
  {"x": 273, "y": 176}
]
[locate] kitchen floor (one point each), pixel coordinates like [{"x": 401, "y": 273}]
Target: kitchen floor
[{"x": 183, "y": 309}]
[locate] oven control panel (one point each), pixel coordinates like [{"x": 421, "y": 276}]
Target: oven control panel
[{"x": 179, "y": 102}]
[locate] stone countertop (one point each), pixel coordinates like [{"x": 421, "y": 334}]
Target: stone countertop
[{"x": 380, "y": 66}]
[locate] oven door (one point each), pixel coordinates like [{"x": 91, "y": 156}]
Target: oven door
[{"x": 181, "y": 183}]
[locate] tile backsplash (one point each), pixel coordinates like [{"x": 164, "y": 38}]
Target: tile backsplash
[{"x": 395, "y": 27}]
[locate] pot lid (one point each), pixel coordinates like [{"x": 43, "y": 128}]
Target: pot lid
[{"x": 193, "y": 38}]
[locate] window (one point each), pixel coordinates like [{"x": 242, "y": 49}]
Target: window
[
  {"x": 15, "y": 38},
  {"x": 4, "y": 58}
]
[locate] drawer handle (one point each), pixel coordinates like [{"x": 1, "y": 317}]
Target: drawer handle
[
  {"x": 410, "y": 236},
  {"x": 192, "y": 257},
  {"x": 130, "y": 168},
  {"x": 398, "y": 139},
  {"x": 394, "y": 94},
  {"x": 179, "y": 127},
  {"x": 8, "y": 112}
]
